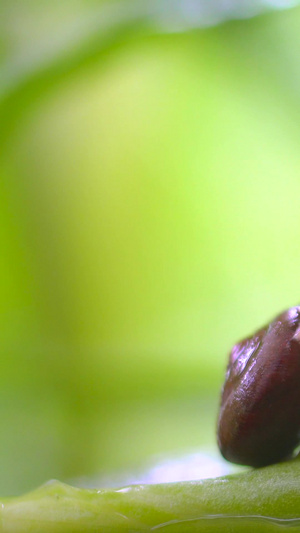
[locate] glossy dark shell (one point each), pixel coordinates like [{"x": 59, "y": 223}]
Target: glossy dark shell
[{"x": 259, "y": 419}]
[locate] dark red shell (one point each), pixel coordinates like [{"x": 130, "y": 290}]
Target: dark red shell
[{"x": 259, "y": 419}]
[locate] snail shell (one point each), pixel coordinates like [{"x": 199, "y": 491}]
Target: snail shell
[{"x": 259, "y": 418}]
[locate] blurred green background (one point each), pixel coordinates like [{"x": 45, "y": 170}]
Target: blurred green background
[{"x": 150, "y": 218}]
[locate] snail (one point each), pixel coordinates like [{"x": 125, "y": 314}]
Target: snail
[{"x": 259, "y": 417}]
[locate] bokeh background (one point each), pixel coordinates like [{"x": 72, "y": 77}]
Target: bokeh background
[{"x": 150, "y": 218}]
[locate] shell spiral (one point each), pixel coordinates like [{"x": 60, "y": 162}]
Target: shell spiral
[{"x": 259, "y": 417}]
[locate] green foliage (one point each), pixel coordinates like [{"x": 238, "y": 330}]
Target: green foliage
[{"x": 149, "y": 218}]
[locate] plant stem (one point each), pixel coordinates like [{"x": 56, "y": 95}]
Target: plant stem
[{"x": 260, "y": 499}]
